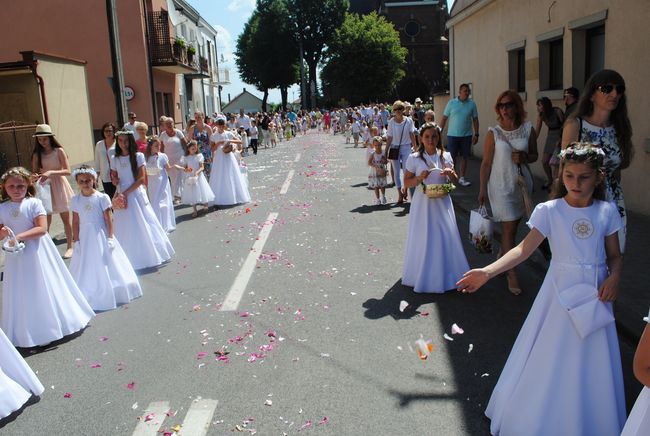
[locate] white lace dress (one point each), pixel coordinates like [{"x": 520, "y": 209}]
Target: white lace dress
[{"x": 505, "y": 195}]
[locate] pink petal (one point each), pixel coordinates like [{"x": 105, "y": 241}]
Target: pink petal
[
  {"x": 325, "y": 420},
  {"x": 103, "y": 338},
  {"x": 67, "y": 395},
  {"x": 403, "y": 305},
  {"x": 456, "y": 330},
  {"x": 201, "y": 355},
  {"x": 130, "y": 385},
  {"x": 96, "y": 365},
  {"x": 149, "y": 417}
]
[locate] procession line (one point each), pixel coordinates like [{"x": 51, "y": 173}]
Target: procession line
[
  {"x": 241, "y": 281},
  {"x": 287, "y": 182}
]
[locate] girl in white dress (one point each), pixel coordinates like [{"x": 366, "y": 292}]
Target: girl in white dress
[
  {"x": 563, "y": 375},
  {"x": 434, "y": 259},
  {"x": 227, "y": 182},
  {"x": 377, "y": 173},
  {"x": 638, "y": 423},
  {"x": 41, "y": 302},
  {"x": 99, "y": 265},
  {"x": 17, "y": 380},
  {"x": 158, "y": 186},
  {"x": 196, "y": 189},
  {"x": 136, "y": 227}
]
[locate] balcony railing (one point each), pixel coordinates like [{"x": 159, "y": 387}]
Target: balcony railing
[
  {"x": 203, "y": 64},
  {"x": 223, "y": 76},
  {"x": 163, "y": 51}
]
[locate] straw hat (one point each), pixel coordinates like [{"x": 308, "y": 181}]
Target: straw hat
[{"x": 43, "y": 130}]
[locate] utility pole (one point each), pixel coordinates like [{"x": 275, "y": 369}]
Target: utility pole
[
  {"x": 116, "y": 62},
  {"x": 303, "y": 88}
]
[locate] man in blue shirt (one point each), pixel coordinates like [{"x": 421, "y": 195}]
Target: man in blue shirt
[{"x": 463, "y": 116}]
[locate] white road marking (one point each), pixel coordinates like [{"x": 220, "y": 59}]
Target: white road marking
[
  {"x": 297, "y": 158},
  {"x": 198, "y": 418},
  {"x": 241, "y": 281},
  {"x": 287, "y": 182},
  {"x": 150, "y": 428}
]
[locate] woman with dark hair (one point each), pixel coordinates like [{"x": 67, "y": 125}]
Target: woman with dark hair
[
  {"x": 509, "y": 147},
  {"x": 553, "y": 117},
  {"x": 104, "y": 151},
  {"x": 434, "y": 259},
  {"x": 50, "y": 165},
  {"x": 136, "y": 227},
  {"x": 601, "y": 118}
]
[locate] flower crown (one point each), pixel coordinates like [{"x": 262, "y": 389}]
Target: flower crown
[
  {"x": 84, "y": 170},
  {"x": 581, "y": 152},
  {"x": 16, "y": 172}
]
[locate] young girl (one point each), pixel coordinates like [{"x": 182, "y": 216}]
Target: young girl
[
  {"x": 348, "y": 132},
  {"x": 434, "y": 258},
  {"x": 274, "y": 134},
  {"x": 50, "y": 165},
  {"x": 99, "y": 265},
  {"x": 136, "y": 227},
  {"x": 377, "y": 173},
  {"x": 160, "y": 190},
  {"x": 227, "y": 183},
  {"x": 638, "y": 423},
  {"x": 41, "y": 302},
  {"x": 17, "y": 381},
  {"x": 196, "y": 190},
  {"x": 563, "y": 375},
  {"x": 287, "y": 130}
]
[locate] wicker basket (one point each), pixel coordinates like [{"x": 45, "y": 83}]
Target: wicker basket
[{"x": 435, "y": 191}]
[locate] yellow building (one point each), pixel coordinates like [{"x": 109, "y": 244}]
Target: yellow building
[{"x": 541, "y": 47}]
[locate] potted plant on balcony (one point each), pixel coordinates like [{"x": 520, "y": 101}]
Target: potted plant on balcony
[
  {"x": 179, "y": 47},
  {"x": 191, "y": 51}
]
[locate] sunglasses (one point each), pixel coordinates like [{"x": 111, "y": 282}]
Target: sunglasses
[
  {"x": 506, "y": 105},
  {"x": 606, "y": 89}
]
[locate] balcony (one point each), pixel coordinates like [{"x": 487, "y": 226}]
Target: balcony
[
  {"x": 165, "y": 54},
  {"x": 223, "y": 76}
]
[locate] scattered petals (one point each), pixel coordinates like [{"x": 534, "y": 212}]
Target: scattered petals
[
  {"x": 325, "y": 420},
  {"x": 149, "y": 417},
  {"x": 403, "y": 305},
  {"x": 470, "y": 348},
  {"x": 67, "y": 395},
  {"x": 306, "y": 425},
  {"x": 456, "y": 330},
  {"x": 201, "y": 355},
  {"x": 485, "y": 375},
  {"x": 130, "y": 385},
  {"x": 424, "y": 348},
  {"x": 449, "y": 338},
  {"x": 96, "y": 365},
  {"x": 103, "y": 338},
  {"x": 268, "y": 403},
  {"x": 177, "y": 428}
]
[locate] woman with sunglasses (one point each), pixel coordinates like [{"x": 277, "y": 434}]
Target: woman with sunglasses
[
  {"x": 104, "y": 152},
  {"x": 509, "y": 147},
  {"x": 601, "y": 118}
]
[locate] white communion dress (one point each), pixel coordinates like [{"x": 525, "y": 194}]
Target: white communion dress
[
  {"x": 226, "y": 179},
  {"x": 142, "y": 237},
  {"x": 434, "y": 259},
  {"x": 195, "y": 188},
  {"x": 160, "y": 191},
  {"x": 638, "y": 423},
  {"x": 556, "y": 382},
  {"x": 41, "y": 302},
  {"x": 103, "y": 273},
  {"x": 17, "y": 380}
]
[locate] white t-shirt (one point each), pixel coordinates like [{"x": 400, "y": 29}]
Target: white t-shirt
[
  {"x": 173, "y": 145},
  {"x": 244, "y": 121},
  {"x": 400, "y": 132},
  {"x": 253, "y": 132},
  {"x": 129, "y": 126}
]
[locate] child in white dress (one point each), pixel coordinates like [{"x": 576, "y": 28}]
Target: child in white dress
[
  {"x": 348, "y": 132},
  {"x": 17, "y": 380},
  {"x": 41, "y": 302},
  {"x": 563, "y": 375},
  {"x": 136, "y": 227},
  {"x": 227, "y": 182},
  {"x": 638, "y": 423},
  {"x": 158, "y": 186},
  {"x": 434, "y": 258},
  {"x": 196, "y": 189},
  {"x": 99, "y": 265},
  {"x": 377, "y": 172}
]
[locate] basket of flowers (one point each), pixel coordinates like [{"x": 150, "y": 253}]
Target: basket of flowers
[{"x": 438, "y": 190}]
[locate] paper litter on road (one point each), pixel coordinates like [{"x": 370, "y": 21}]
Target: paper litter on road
[
  {"x": 449, "y": 338},
  {"x": 456, "y": 330}
]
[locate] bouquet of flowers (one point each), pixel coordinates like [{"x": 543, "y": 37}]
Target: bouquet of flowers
[{"x": 480, "y": 230}]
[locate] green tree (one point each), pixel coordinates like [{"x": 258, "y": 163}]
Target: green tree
[
  {"x": 364, "y": 60},
  {"x": 315, "y": 22},
  {"x": 248, "y": 57}
]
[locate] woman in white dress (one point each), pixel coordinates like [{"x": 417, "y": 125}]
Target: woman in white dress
[
  {"x": 136, "y": 227},
  {"x": 99, "y": 265},
  {"x": 17, "y": 380},
  {"x": 638, "y": 423},
  {"x": 434, "y": 259},
  {"x": 41, "y": 302},
  {"x": 196, "y": 189},
  {"x": 563, "y": 375},
  {"x": 226, "y": 181},
  {"x": 509, "y": 147},
  {"x": 173, "y": 145},
  {"x": 158, "y": 186}
]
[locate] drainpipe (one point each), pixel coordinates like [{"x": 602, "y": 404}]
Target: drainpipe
[
  {"x": 41, "y": 85},
  {"x": 152, "y": 89},
  {"x": 116, "y": 61}
]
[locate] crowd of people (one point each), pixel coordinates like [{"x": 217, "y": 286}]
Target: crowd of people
[{"x": 565, "y": 365}]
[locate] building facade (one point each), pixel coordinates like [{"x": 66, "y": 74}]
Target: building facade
[{"x": 541, "y": 48}]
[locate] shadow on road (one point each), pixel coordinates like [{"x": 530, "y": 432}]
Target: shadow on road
[
  {"x": 389, "y": 304},
  {"x": 25, "y": 352},
  {"x": 11, "y": 418}
]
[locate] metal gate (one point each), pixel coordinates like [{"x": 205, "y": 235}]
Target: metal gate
[{"x": 16, "y": 144}]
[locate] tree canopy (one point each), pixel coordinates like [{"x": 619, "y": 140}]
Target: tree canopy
[{"x": 364, "y": 60}]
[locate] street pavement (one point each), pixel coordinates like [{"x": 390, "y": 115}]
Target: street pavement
[{"x": 301, "y": 288}]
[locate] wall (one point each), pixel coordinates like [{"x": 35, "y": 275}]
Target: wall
[
  {"x": 68, "y": 105},
  {"x": 480, "y": 58},
  {"x": 20, "y": 98}
]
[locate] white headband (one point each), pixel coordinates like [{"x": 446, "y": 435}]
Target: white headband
[{"x": 78, "y": 171}]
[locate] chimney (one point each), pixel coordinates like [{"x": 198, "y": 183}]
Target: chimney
[
  {"x": 244, "y": 89},
  {"x": 228, "y": 97}
]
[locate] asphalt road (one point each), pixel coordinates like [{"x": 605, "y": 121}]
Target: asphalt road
[{"x": 316, "y": 344}]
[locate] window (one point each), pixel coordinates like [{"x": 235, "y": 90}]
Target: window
[
  {"x": 551, "y": 60},
  {"x": 587, "y": 46},
  {"x": 555, "y": 64},
  {"x": 595, "y": 52},
  {"x": 517, "y": 69}
]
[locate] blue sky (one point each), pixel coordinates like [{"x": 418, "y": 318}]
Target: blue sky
[{"x": 228, "y": 18}]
